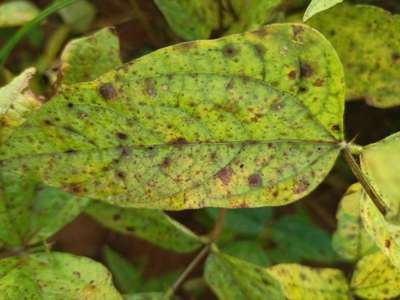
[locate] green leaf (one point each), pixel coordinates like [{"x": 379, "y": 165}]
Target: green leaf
[
  {"x": 31, "y": 212},
  {"x": 368, "y": 44},
  {"x": 151, "y": 225},
  {"x": 15, "y": 13},
  {"x": 301, "y": 282},
  {"x": 144, "y": 296},
  {"x": 86, "y": 58},
  {"x": 191, "y": 19},
  {"x": 16, "y": 103},
  {"x": 379, "y": 164},
  {"x": 245, "y": 221},
  {"x": 248, "y": 250},
  {"x": 232, "y": 278},
  {"x": 55, "y": 276},
  {"x": 376, "y": 278},
  {"x": 298, "y": 239},
  {"x": 317, "y": 6},
  {"x": 351, "y": 240},
  {"x": 127, "y": 278},
  {"x": 79, "y": 15},
  {"x": 218, "y": 123}
]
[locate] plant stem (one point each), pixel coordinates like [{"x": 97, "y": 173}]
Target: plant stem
[{"x": 371, "y": 192}]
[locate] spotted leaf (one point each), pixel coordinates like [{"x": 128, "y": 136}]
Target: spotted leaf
[{"x": 247, "y": 120}]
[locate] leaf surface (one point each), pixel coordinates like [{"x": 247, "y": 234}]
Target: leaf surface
[
  {"x": 301, "y": 282},
  {"x": 232, "y": 278},
  {"x": 223, "y": 123},
  {"x": 317, "y": 6},
  {"x": 368, "y": 44},
  {"x": 144, "y": 296},
  {"x": 154, "y": 226},
  {"x": 55, "y": 276},
  {"x": 15, "y": 13},
  {"x": 375, "y": 277},
  {"x": 350, "y": 239},
  {"x": 79, "y": 15}
]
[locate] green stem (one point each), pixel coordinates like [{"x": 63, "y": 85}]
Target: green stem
[{"x": 20, "y": 34}]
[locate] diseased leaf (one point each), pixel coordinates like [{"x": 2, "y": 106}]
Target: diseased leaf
[
  {"x": 55, "y": 276},
  {"x": 78, "y": 15},
  {"x": 376, "y": 278},
  {"x": 368, "y": 44},
  {"x": 16, "y": 103},
  {"x": 15, "y": 13},
  {"x": 127, "y": 278},
  {"x": 144, "y": 296},
  {"x": 248, "y": 250},
  {"x": 379, "y": 164},
  {"x": 191, "y": 19},
  {"x": 351, "y": 240},
  {"x": 218, "y": 123},
  {"x": 317, "y": 6},
  {"x": 31, "y": 212},
  {"x": 151, "y": 225},
  {"x": 232, "y": 278},
  {"x": 86, "y": 58},
  {"x": 301, "y": 282},
  {"x": 297, "y": 239}
]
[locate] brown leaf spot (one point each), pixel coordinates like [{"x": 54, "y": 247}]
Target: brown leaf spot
[
  {"x": 254, "y": 180},
  {"x": 107, "y": 91},
  {"x": 387, "y": 243},
  {"x": 306, "y": 70},
  {"x": 74, "y": 188},
  {"x": 70, "y": 105},
  {"x": 297, "y": 30},
  {"x": 225, "y": 175},
  {"x": 395, "y": 56},
  {"x": 335, "y": 127},
  {"x": 318, "y": 82},
  {"x": 149, "y": 87},
  {"x": 166, "y": 162},
  {"x": 229, "y": 50},
  {"x": 292, "y": 74},
  {"x": 179, "y": 141},
  {"x": 121, "y": 135},
  {"x": 120, "y": 175},
  {"x": 300, "y": 187}
]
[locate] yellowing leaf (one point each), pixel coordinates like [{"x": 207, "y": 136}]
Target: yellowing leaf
[
  {"x": 16, "y": 103},
  {"x": 376, "y": 278},
  {"x": 86, "y": 58},
  {"x": 55, "y": 276},
  {"x": 317, "y": 6},
  {"x": 301, "y": 283},
  {"x": 379, "y": 164},
  {"x": 351, "y": 240},
  {"x": 232, "y": 278},
  {"x": 368, "y": 43},
  {"x": 15, "y": 13},
  {"x": 247, "y": 120},
  {"x": 152, "y": 225}
]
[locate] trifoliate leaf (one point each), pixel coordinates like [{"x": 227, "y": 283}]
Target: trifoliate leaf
[
  {"x": 86, "y": 58},
  {"x": 368, "y": 44},
  {"x": 301, "y": 282},
  {"x": 55, "y": 276},
  {"x": 232, "y": 278},
  {"x": 16, "y": 103},
  {"x": 376, "y": 278},
  {"x": 248, "y": 120},
  {"x": 351, "y": 240},
  {"x": 317, "y": 6},
  {"x": 152, "y": 225},
  {"x": 16, "y": 13}
]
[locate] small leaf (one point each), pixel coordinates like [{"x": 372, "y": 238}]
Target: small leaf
[
  {"x": 317, "y": 6},
  {"x": 379, "y": 164},
  {"x": 149, "y": 136},
  {"x": 376, "y": 278},
  {"x": 151, "y": 225},
  {"x": 298, "y": 239},
  {"x": 191, "y": 19},
  {"x": 79, "y": 15},
  {"x": 351, "y": 240},
  {"x": 368, "y": 44},
  {"x": 16, "y": 103},
  {"x": 55, "y": 276},
  {"x": 232, "y": 278},
  {"x": 248, "y": 250},
  {"x": 127, "y": 278},
  {"x": 86, "y": 58},
  {"x": 31, "y": 212},
  {"x": 16, "y": 13},
  {"x": 144, "y": 296},
  {"x": 300, "y": 282}
]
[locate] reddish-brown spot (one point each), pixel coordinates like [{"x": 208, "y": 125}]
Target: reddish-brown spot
[
  {"x": 318, "y": 82},
  {"x": 74, "y": 188},
  {"x": 107, "y": 91},
  {"x": 47, "y": 122},
  {"x": 225, "y": 175},
  {"x": 166, "y": 162},
  {"x": 300, "y": 187},
  {"x": 387, "y": 243},
  {"x": 121, "y": 135},
  {"x": 70, "y": 105},
  {"x": 292, "y": 74},
  {"x": 395, "y": 56},
  {"x": 254, "y": 180},
  {"x": 335, "y": 127},
  {"x": 306, "y": 70},
  {"x": 120, "y": 175},
  {"x": 179, "y": 141},
  {"x": 297, "y": 30},
  {"x": 229, "y": 50},
  {"x": 275, "y": 194}
]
